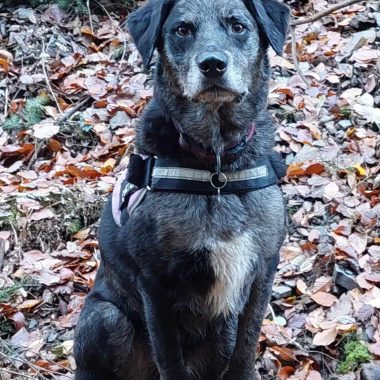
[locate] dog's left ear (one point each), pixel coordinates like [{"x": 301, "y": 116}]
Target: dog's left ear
[
  {"x": 145, "y": 26},
  {"x": 273, "y": 20}
]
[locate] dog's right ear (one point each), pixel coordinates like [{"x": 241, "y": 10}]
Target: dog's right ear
[{"x": 145, "y": 27}]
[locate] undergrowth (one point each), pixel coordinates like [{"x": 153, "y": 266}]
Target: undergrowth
[
  {"x": 7, "y": 293},
  {"x": 355, "y": 353},
  {"x": 79, "y": 6},
  {"x": 32, "y": 114}
]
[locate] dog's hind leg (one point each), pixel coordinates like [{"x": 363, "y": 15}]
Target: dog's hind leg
[{"x": 104, "y": 345}]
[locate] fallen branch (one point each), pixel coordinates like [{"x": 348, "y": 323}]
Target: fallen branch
[
  {"x": 43, "y": 64},
  {"x": 90, "y": 17},
  {"x": 18, "y": 374},
  {"x": 67, "y": 114},
  {"x": 317, "y": 16},
  {"x": 6, "y": 100}
]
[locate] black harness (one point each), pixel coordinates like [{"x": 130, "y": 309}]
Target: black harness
[
  {"x": 149, "y": 173},
  {"x": 159, "y": 174}
]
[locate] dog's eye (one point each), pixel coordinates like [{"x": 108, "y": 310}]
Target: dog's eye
[
  {"x": 183, "y": 31},
  {"x": 238, "y": 28}
]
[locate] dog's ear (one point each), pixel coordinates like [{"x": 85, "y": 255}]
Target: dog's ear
[
  {"x": 145, "y": 26},
  {"x": 273, "y": 19}
]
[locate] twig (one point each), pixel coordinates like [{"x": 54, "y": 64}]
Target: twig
[
  {"x": 8, "y": 346},
  {"x": 6, "y": 101},
  {"x": 67, "y": 114},
  {"x": 2, "y": 252},
  {"x": 15, "y": 373},
  {"x": 35, "y": 368},
  {"x": 33, "y": 159},
  {"x": 274, "y": 316},
  {"x": 295, "y": 58},
  {"x": 122, "y": 33},
  {"x": 89, "y": 16},
  {"x": 317, "y": 16},
  {"x": 17, "y": 243},
  {"x": 43, "y": 64},
  {"x": 22, "y": 59}
]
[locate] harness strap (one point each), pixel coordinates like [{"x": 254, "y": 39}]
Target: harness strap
[
  {"x": 148, "y": 173},
  {"x": 159, "y": 174}
]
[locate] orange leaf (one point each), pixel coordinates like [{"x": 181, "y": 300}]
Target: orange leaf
[
  {"x": 285, "y": 372},
  {"x": 54, "y": 145},
  {"x": 4, "y": 64},
  {"x": 295, "y": 170},
  {"x": 315, "y": 168},
  {"x": 86, "y": 31},
  {"x": 284, "y": 353}
]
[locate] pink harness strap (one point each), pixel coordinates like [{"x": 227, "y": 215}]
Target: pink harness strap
[
  {"x": 118, "y": 197},
  {"x": 116, "y": 194}
]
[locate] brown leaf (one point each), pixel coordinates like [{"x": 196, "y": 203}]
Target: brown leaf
[
  {"x": 29, "y": 304},
  {"x": 324, "y": 299},
  {"x": 373, "y": 278},
  {"x": 285, "y": 372},
  {"x": 54, "y": 145},
  {"x": 322, "y": 284},
  {"x": 325, "y": 338},
  {"x": 315, "y": 168},
  {"x": 284, "y": 353},
  {"x": 18, "y": 319},
  {"x": 43, "y": 214}
]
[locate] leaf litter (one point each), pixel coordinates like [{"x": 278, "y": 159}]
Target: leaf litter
[{"x": 60, "y": 156}]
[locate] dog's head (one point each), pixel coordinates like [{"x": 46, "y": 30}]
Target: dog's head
[{"x": 212, "y": 48}]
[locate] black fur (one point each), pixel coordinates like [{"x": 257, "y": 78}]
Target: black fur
[{"x": 184, "y": 283}]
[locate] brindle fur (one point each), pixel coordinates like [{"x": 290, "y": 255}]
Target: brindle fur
[{"x": 183, "y": 285}]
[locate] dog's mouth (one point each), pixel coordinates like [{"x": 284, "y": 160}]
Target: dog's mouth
[{"x": 217, "y": 94}]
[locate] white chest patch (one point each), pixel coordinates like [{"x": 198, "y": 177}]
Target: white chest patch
[{"x": 232, "y": 263}]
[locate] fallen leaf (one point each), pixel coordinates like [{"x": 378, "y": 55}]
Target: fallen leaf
[
  {"x": 29, "y": 304},
  {"x": 325, "y": 338},
  {"x": 46, "y": 129},
  {"x": 324, "y": 299}
]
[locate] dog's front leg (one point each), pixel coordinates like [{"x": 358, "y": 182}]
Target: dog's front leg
[
  {"x": 242, "y": 364},
  {"x": 163, "y": 330}
]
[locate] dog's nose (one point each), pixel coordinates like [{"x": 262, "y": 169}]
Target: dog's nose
[{"x": 212, "y": 65}]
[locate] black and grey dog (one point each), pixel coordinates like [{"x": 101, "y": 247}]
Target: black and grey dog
[{"x": 186, "y": 273}]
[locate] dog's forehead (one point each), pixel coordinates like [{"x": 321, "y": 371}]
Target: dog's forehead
[{"x": 204, "y": 8}]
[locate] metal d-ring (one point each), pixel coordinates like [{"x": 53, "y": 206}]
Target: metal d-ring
[{"x": 222, "y": 178}]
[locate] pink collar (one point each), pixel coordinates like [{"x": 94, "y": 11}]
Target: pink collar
[{"x": 229, "y": 155}]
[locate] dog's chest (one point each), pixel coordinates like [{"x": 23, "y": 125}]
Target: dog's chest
[
  {"x": 232, "y": 263},
  {"x": 218, "y": 238}
]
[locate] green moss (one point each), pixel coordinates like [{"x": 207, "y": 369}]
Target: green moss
[
  {"x": 33, "y": 111},
  {"x": 354, "y": 353},
  {"x": 74, "y": 226},
  {"x": 346, "y": 112},
  {"x": 13, "y": 122}
]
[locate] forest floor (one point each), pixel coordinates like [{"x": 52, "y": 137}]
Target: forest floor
[{"x": 70, "y": 93}]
